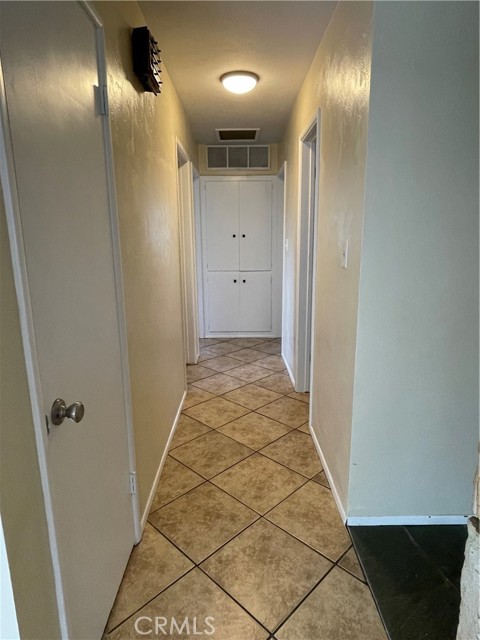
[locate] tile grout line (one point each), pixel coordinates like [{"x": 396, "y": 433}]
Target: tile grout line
[
  {"x": 253, "y": 451},
  {"x": 333, "y": 562},
  {"x": 218, "y": 394},
  {"x": 284, "y": 424},
  {"x": 185, "y": 492},
  {"x": 259, "y": 516},
  {"x": 350, "y": 548},
  {"x": 249, "y": 411},
  {"x": 151, "y": 599},
  {"x": 307, "y": 478},
  {"x": 226, "y": 468},
  {"x": 299, "y": 604},
  {"x": 282, "y": 395},
  {"x": 234, "y": 599},
  {"x": 197, "y": 565},
  {"x": 191, "y": 440},
  {"x": 243, "y": 530}
]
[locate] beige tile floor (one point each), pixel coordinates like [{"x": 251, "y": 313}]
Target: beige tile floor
[{"x": 244, "y": 536}]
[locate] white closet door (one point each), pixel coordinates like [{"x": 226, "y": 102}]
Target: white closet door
[
  {"x": 256, "y": 301},
  {"x": 221, "y": 199},
  {"x": 224, "y": 301},
  {"x": 255, "y": 204}
]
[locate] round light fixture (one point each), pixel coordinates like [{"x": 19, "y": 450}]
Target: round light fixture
[{"x": 239, "y": 81}]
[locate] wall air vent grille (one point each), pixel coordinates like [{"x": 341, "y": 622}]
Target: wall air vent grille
[
  {"x": 237, "y": 135},
  {"x": 238, "y": 157}
]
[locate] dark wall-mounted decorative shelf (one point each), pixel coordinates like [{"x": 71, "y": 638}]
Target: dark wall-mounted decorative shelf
[{"x": 146, "y": 59}]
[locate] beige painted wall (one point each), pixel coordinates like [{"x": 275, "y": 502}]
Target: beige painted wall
[
  {"x": 144, "y": 129},
  {"x": 415, "y": 421},
  {"x": 21, "y": 497},
  {"x": 337, "y": 83}
]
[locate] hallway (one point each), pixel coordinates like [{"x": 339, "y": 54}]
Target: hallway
[
  {"x": 361, "y": 133},
  {"x": 244, "y": 534}
]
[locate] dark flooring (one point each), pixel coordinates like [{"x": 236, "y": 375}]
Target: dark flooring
[{"x": 414, "y": 574}]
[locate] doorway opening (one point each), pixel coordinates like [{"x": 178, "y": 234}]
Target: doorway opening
[
  {"x": 188, "y": 267},
  {"x": 308, "y": 205}
]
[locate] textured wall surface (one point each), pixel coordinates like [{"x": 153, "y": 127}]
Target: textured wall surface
[
  {"x": 144, "y": 129},
  {"x": 338, "y": 83},
  {"x": 415, "y": 424},
  {"x": 469, "y": 623}
]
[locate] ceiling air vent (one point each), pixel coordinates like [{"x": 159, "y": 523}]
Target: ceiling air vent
[{"x": 237, "y": 135}]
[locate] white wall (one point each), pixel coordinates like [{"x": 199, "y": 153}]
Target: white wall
[
  {"x": 415, "y": 418},
  {"x": 8, "y": 614}
]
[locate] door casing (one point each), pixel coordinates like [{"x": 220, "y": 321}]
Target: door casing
[
  {"x": 188, "y": 263},
  {"x": 308, "y": 180}
]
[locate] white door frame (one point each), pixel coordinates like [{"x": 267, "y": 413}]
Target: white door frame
[
  {"x": 282, "y": 178},
  {"x": 188, "y": 267},
  {"x": 19, "y": 264},
  {"x": 198, "y": 252},
  {"x": 308, "y": 180},
  {"x": 278, "y": 242}
]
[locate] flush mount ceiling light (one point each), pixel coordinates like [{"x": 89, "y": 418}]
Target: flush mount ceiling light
[{"x": 239, "y": 81}]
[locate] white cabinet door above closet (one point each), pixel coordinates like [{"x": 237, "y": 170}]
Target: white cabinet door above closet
[
  {"x": 255, "y": 215},
  {"x": 222, "y": 241}
]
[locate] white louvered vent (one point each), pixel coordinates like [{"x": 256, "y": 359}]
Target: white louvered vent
[{"x": 238, "y": 157}]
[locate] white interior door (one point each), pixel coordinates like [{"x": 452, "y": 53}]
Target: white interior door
[
  {"x": 222, "y": 240},
  {"x": 255, "y": 214},
  {"x": 256, "y": 301},
  {"x": 49, "y": 58}
]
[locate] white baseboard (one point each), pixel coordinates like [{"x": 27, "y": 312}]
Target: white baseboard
[
  {"x": 153, "y": 490},
  {"x": 378, "y": 521},
  {"x": 289, "y": 371},
  {"x": 233, "y": 336},
  {"x": 336, "y": 497}
]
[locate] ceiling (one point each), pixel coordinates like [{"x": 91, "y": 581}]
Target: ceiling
[{"x": 202, "y": 40}]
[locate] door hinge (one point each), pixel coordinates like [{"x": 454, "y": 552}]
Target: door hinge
[
  {"x": 102, "y": 94},
  {"x": 133, "y": 482}
]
